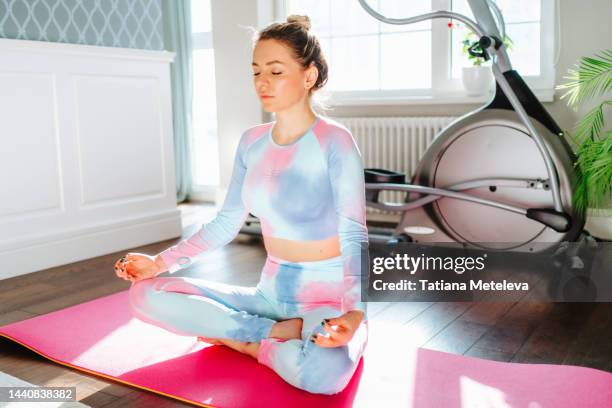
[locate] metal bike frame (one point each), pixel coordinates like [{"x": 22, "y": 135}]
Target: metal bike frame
[{"x": 484, "y": 26}]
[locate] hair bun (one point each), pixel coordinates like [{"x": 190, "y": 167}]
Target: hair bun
[{"x": 304, "y": 21}]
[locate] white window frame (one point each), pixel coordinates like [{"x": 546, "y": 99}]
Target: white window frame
[{"x": 445, "y": 89}]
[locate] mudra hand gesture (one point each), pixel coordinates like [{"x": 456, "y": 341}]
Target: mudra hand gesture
[
  {"x": 340, "y": 330},
  {"x": 134, "y": 267}
]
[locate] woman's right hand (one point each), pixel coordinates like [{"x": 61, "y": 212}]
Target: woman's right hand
[{"x": 134, "y": 267}]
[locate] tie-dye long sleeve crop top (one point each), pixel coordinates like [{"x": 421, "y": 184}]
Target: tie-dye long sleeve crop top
[{"x": 310, "y": 189}]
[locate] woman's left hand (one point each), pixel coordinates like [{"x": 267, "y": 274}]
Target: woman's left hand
[{"x": 340, "y": 330}]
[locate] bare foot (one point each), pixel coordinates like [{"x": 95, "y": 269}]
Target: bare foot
[
  {"x": 249, "y": 348},
  {"x": 210, "y": 340},
  {"x": 287, "y": 329}
]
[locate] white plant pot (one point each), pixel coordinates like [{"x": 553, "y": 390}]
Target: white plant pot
[
  {"x": 599, "y": 222},
  {"x": 477, "y": 80}
]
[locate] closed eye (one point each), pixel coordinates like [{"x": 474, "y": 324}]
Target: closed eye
[{"x": 274, "y": 73}]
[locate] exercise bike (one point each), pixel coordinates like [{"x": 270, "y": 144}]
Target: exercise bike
[{"x": 499, "y": 177}]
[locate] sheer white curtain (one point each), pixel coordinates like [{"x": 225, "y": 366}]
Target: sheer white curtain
[{"x": 177, "y": 38}]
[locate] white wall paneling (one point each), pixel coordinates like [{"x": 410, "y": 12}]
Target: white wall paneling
[{"x": 87, "y": 160}]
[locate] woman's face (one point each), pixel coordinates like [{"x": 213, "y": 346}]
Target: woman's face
[{"x": 280, "y": 81}]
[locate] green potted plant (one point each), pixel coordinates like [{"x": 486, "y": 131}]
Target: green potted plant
[
  {"x": 477, "y": 78},
  {"x": 591, "y": 81}
]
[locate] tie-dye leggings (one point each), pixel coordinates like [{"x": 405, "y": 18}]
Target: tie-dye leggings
[{"x": 311, "y": 290}]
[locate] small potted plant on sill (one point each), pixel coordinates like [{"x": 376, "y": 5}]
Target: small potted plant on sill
[
  {"x": 478, "y": 78},
  {"x": 591, "y": 80}
]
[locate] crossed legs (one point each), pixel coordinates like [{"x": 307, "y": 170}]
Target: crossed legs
[
  {"x": 244, "y": 319},
  {"x": 196, "y": 307}
]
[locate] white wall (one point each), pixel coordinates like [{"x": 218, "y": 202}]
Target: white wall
[{"x": 238, "y": 107}]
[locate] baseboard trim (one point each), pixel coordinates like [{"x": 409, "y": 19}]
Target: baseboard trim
[{"x": 65, "y": 247}]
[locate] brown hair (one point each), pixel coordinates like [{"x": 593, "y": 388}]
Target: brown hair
[{"x": 305, "y": 46}]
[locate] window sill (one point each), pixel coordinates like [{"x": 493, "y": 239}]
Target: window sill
[{"x": 543, "y": 95}]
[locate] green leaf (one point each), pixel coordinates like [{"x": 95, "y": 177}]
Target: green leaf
[
  {"x": 592, "y": 77},
  {"x": 591, "y": 125},
  {"x": 594, "y": 173}
]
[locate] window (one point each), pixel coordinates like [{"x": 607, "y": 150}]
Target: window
[
  {"x": 204, "y": 143},
  {"x": 347, "y": 33},
  {"x": 522, "y": 21},
  {"x": 371, "y": 61}
]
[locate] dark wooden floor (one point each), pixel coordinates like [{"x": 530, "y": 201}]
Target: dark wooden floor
[{"x": 535, "y": 332}]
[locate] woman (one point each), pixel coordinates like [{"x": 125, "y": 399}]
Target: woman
[{"x": 302, "y": 176}]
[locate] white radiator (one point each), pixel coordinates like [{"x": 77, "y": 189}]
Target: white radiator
[{"x": 394, "y": 143}]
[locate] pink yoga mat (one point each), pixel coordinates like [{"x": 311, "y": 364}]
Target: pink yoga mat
[{"x": 102, "y": 338}]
